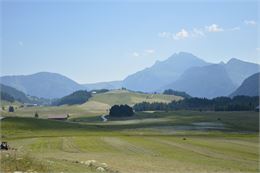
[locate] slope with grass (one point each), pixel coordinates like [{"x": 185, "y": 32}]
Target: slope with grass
[{"x": 127, "y": 97}]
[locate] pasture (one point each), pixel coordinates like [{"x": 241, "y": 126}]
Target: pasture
[
  {"x": 97, "y": 105},
  {"x": 181, "y": 141}
]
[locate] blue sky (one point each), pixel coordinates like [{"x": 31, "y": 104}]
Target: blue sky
[{"x": 107, "y": 40}]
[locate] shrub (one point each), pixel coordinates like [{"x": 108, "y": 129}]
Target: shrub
[
  {"x": 36, "y": 115},
  {"x": 11, "y": 109}
]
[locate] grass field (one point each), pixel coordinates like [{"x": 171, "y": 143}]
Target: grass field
[
  {"x": 166, "y": 142},
  {"x": 126, "y": 97},
  {"x": 97, "y": 105}
]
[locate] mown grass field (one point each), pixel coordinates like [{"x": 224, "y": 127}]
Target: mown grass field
[{"x": 166, "y": 142}]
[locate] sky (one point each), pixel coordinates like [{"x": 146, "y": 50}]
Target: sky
[{"x": 94, "y": 41}]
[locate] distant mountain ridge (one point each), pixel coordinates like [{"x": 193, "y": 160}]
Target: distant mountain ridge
[
  {"x": 162, "y": 73},
  {"x": 208, "y": 81},
  {"x": 214, "y": 80},
  {"x": 188, "y": 73},
  {"x": 239, "y": 70},
  {"x": 249, "y": 87},
  {"x": 181, "y": 71},
  {"x": 42, "y": 84}
]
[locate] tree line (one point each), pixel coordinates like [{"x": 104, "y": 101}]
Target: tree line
[
  {"x": 238, "y": 103},
  {"x": 77, "y": 97},
  {"x": 6, "y": 97},
  {"x": 176, "y": 93},
  {"x": 121, "y": 111}
]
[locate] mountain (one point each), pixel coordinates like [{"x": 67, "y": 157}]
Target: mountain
[
  {"x": 17, "y": 95},
  {"x": 162, "y": 73},
  {"x": 249, "y": 87},
  {"x": 43, "y": 84},
  {"x": 239, "y": 70},
  {"x": 104, "y": 85},
  {"x": 208, "y": 81},
  {"x": 214, "y": 80}
]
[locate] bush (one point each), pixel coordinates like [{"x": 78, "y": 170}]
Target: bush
[
  {"x": 36, "y": 115},
  {"x": 11, "y": 109}
]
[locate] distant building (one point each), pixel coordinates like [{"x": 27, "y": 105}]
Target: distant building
[{"x": 58, "y": 117}]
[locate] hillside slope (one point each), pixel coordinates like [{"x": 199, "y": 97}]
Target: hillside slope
[
  {"x": 43, "y": 84},
  {"x": 77, "y": 97},
  {"x": 16, "y": 94},
  {"x": 209, "y": 81},
  {"x": 131, "y": 98},
  {"x": 250, "y": 86}
]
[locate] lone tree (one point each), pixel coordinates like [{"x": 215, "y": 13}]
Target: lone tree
[
  {"x": 121, "y": 111},
  {"x": 11, "y": 109},
  {"x": 36, "y": 115}
]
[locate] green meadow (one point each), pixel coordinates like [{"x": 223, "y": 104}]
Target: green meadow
[
  {"x": 177, "y": 141},
  {"x": 97, "y": 105},
  {"x": 181, "y": 141}
]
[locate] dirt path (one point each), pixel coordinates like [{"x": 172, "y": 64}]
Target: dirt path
[
  {"x": 104, "y": 118},
  {"x": 1, "y": 118}
]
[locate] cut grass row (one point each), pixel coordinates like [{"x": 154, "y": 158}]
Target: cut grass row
[{"x": 146, "y": 154}]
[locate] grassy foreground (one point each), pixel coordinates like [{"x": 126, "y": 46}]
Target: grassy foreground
[{"x": 148, "y": 142}]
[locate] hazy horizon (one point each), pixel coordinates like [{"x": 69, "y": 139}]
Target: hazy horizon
[
  {"x": 93, "y": 42},
  {"x": 108, "y": 80}
]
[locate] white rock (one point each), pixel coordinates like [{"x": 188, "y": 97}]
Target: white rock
[
  {"x": 103, "y": 164},
  {"x": 88, "y": 162},
  {"x": 100, "y": 169},
  {"x": 93, "y": 161}
]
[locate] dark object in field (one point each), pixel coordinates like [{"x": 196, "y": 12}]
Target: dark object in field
[
  {"x": 11, "y": 109},
  {"x": 36, "y": 115},
  {"x": 184, "y": 139},
  {"x": 4, "y": 146},
  {"x": 219, "y": 119}
]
